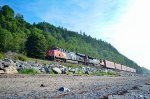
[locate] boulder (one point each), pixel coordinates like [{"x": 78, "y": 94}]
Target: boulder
[
  {"x": 10, "y": 70},
  {"x": 8, "y": 62},
  {"x": 1, "y": 65},
  {"x": 56, "y": 70},
  {"x": 45, "y": 69},
  {"x": 73, "y": 70},
  {"x": 8, "y": 66},
  {"x": 2, "y": 72}
]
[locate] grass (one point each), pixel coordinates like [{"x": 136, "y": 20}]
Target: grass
[
  {"x": 2, "y": 55},
  {"x": 71, "y": 65},
  {"x": 29, "y": 71},
  {"x": 41, "y": 61},
  {"x": 21, "y": 57},
  {"x": 100, "y": 73}
]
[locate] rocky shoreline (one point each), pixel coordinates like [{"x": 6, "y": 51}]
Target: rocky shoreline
[
  {"x": 79, "y": 87},
  {"x": 9, "y": 66},
  {"x": 68, "y": 86}
]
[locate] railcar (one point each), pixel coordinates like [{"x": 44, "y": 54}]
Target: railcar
[
  {"x": 123, "y": 68},
  {"x": 118, "y": 66},
  {"x": 109, "y": 64}
]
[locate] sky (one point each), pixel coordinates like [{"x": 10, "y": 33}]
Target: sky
[{"x": 122, "y": 23}]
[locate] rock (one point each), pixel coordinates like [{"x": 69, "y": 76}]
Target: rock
[
  {"x": 46, "y": 69},
  {"x": 72, "y": 70},
  {"x": 63, "y": 89},
  {"x": 10, "y": 70},
  {"x": 87, "y": 72},
  {"x": 56, "y": 70},
  {"x": 2, "y": 72},
  {"x": 42, "y": 70},
  {"x": 8, "y": 62},
  {"x": 42, "y": 85},
  {"x": 8, "y": 66},
  {"x": 64, "y": 70},
  {"x": 1, "y": 65}
]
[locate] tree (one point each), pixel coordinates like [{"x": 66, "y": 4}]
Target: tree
[
  {"x": 36, "y": 45},
  {"x": 7, "y": 11},
  {"x": 5, "y": 40}
]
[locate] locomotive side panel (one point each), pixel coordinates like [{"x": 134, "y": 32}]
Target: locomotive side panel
[
  {"x": 57, "y": 54},
  {"x": 95, "y": 62}
]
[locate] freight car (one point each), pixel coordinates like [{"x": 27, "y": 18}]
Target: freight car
[
  {"x": 59, "y": 54},
  {"x": 118, "y": 66}
]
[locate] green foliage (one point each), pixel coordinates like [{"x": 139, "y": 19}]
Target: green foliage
[
  {"x": 29, "y": 71},
  {"x": 2, "y": 56},
  {"x": 36, "y": 45},
  {"x": 21, "y": 57},
  {"x": 6, "y": 38},
  {"x": 19, "y": 36},
  {"x": 7, "y": 11}
]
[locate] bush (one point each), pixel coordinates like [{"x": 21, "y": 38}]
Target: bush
[
  {"x": 2, "y": 56},
  {"x": 29, "y": 71},
  {"x": 21, "y": 57}
]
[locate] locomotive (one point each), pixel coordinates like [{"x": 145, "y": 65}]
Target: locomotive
[{"x": 62, "y": 55}]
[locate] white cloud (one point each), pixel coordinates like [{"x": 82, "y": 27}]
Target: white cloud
[{"x": 131, "y": 35}]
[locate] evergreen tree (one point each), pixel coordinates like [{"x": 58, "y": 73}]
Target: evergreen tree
[
  {"x": 36, "y": 45},
  {"x": 5, "y": 40},
  {"x": 7, "y": 11}
]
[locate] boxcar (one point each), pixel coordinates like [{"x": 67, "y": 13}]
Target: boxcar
[
  {"x": 124, "y": 68},
  {"x": 109, "y": 64},
  {"x": 118, "y": 66}
]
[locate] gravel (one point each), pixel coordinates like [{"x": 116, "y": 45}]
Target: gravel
[{"x": 80, "y": 87}]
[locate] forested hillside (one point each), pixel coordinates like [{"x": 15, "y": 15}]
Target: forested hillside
[{"x": 33, "y": 40}]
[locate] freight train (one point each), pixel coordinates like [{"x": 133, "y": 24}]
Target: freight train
[{"x": 59, "y": 54}]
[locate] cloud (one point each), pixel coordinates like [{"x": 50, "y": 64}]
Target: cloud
[{"x": 90, "y": 16}]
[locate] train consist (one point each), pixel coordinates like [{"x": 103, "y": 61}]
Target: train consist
[{"x": 59, "y": 54}]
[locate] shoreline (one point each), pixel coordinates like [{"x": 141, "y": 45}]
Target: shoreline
[{"x": 29, "y": 86}]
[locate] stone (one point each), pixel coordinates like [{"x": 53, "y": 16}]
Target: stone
[
  {"x": 56, "y": 70},
  {"x": 72, "y": 70},
  {"x": 42, "y": 85},
  {"x": 46, "y": 69},
  {"x": 1, "y": 66},
  {"x": 9, "y": 67},
  {"x": 42, "y": 70},
  {"x": 64, "y": 89},
  {"x": 8, "y": 62},
  {"x": 2, "y": 72},
  {"x": 87, "y": 72},
  {"x": 10, "y": 70}
]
